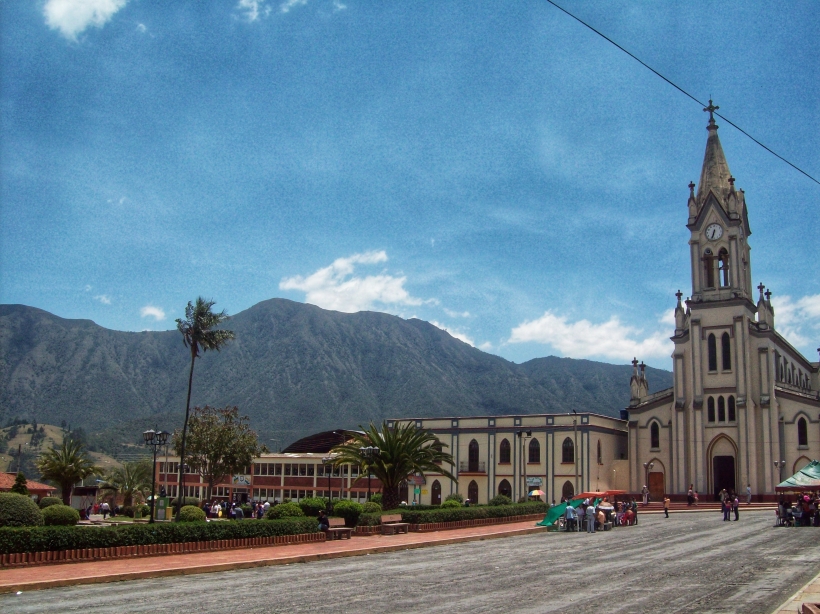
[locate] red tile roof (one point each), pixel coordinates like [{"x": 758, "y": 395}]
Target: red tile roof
[{"x": 7, "y": 481}]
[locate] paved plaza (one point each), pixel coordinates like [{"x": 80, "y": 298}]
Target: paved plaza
[{"x": 692, "y": 562}]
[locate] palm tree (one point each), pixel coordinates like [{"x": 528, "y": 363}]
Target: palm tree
[
  {"x": 66, "y": 466},
  {"x": 403, "y": 451},
  {"x": 129, "y": 480},
  {"x": 199, "y": 332}
]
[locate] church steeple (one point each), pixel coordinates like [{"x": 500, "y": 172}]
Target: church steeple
[{"x": 715, "y": 175}]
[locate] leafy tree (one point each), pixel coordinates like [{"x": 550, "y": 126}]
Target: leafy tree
[
  {"x": 20, "y": 486},
  {"x": 199, "y": 332},
  {"x": 220, "y": 443},
  {"x": 66, "y": 466},
  {"x": 131, "y": 480},
  {"x": 404, "y": 450}
]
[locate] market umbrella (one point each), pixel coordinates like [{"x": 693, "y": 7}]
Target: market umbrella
[{"x": 537, "y": 493}]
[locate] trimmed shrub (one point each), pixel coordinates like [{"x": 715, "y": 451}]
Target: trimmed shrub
[
  {"x": 500, "y": 500},
  {"x": 349, "y": 510},
  {"x": 376, "y": 498},
  {"x": 191, "y": 513},
  {"x": 456, "y": 496},
  {"x": 37, "y": 539},
  {"x": 60, "y": 516},
  {"x": 451, "y": 503},
  {"x": 311, "y": 506},
  {"x": 19, "y": 511},
  {"x": 284, "y": 510},
  {"x": 47, "y": 501},
  {"x": 471, "y": 513},
  {"x": 371, "y": 507},
  {"x": 247, "y": 510},
  {"x": 369, "y": 520},
  {"x": 186, "y": 501}
]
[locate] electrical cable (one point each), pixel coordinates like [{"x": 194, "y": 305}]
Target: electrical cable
[{"x": 680, "y": 89}]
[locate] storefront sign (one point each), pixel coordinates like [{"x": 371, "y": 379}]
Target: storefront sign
[
  {"x": 533, "y": 481},
  {"x": 241, "y": 480}
]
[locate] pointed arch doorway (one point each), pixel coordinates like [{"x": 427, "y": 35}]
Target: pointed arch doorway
[{"x": 722, "y": 452}]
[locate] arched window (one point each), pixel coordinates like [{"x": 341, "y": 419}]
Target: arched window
[
  {"x": 712, "y": 343},
  {"x": 600, "y": 456},
  {"x": 435, "y": 489},
  {"x": 567, "y": 492},
  {"x": 726, "y": 351},
  {"x": 802, "y": 432},
  {"x": 732, "y": 414},
  {"x": 473, "y": 456},
  {"x": 505, "y": 489},
  {"x": 472, "y": 492},
  {"x": 710, "y": 405},
  {"x": 504, "y": 452},
  {"x": 709, "y": 268},
  {"x": 535, "y": 451},
  {"x": 723, "y": 267},
  {"x": 655, "y": 435},
  {"x": 721, "y": 410},
  {"x": 567, "y": 451}
]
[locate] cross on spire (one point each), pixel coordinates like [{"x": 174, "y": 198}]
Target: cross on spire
[
  {"x": 711, "y": 108},
  {"x": 761, "y": 287},
  {"x": 768, "y": 294},
  {"x": 679, "y": 294}
]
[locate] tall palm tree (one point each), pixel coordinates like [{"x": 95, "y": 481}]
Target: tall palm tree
[
  {"x": 66, "y": 466},
  {"x": 199, "y": 333},
  {"x": 403, "y": 451},
  {"x": 129, "y": 480}
]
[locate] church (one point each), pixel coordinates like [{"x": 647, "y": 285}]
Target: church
[{"x": 744, "y": 408}]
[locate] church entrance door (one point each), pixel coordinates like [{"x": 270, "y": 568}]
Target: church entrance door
[
  {"x": 723, "y": 472},
  {"x": 656, "y": 485}
]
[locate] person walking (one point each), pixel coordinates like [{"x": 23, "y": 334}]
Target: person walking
[
  {"x": 590, "y": 519},
  {"x": 635, "y": 510},
  {"x": 645, "y": 495},
  {"x": 726, "y": 506},
  {"x": 581, "y": 511},
  {"x": 736, "y": 507},
  {"x": 748, "y": 494},
  {"x": 572, "y": 517},
  {"x": 666, "y": 505}
]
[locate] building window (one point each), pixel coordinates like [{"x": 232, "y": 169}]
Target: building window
[
  {"x": 567, "y": 451},
  {"x": 504, "y": 452},
  {"x": 721, "y": 410},
  {"x": 473, "y": 456},
  {"x": 723, "y": 267},
  {"x": 712, "y": 343},
  {"x": 505, "y": 489},
  {"x": 802, "y": 432},
  {"x": 655, "y": 436},
  {"x": 472, "y": 492},
  {"x": 709, "y": 269},
  {"x": 726, "y": 351},
  {"x": 710, "y": 405},
  {"x": 732, "y": 413},
  {"x": 435, "y": 489},
  {"x": 600, "y": 456},
  {"x": 535, "y": 451}
]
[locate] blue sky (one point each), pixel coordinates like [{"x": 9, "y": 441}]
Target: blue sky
[{"x": 496, "y": 169}]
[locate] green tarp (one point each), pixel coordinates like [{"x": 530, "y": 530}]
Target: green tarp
[
  {"x": 808, "y": 478},
  {"x": 556, "y": 511}
]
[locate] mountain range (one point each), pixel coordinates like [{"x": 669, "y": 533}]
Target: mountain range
[{"x": 293, "y": 368}]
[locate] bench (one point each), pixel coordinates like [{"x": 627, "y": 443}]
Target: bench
[
  {"x": 391, "y": 523},
  {"x": 337, "y": 529}
]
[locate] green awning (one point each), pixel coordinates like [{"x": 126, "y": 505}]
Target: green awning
[{"x": 808, "y": 478}]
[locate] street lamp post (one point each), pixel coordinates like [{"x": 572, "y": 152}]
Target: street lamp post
[
  {"x": 327, "y": 460},
  {"x": 370, "y": 453},
  {"x": 779, "y": 466},
  {"x": 155, "y": 439}
]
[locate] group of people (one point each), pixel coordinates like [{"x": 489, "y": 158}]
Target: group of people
[
  {"x": 234, "y": 511},
  {"x": 805, "y": 512},
  {"x": 729, "y": 502},
  {"x": 594, "y": 517}
]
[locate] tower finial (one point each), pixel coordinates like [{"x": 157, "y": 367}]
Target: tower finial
[
  {"x": 691, "y": 188},
  {"x": 711, "y": 108}
]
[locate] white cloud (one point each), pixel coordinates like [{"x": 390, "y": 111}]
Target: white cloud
[
  {"x": 103, "y": 298},
  {"x": 253, "y": 9},
  {"x": 583, "y": 339},
  {"x": 150, "y": 311},
  {"x": 286, "y": 6},
  {"x": 338, "y": 6},
  {"x": 71, "y": 17},
  {"x": 486, "y": 347},
  {"x": 457, "y": 314},
  {"x": 141, "y": 28},
  {"x": 797, "y": 320},
  {"x": 335, "y": 287},
  {"x": 87, "y": 288},
  {"x": 454, "y": 333}
]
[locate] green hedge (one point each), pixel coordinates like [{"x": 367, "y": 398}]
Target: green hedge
[
  {"x": 191, "y": 513},
  {"x": 284, "y": 510},
  {"x": 47, "y": 501},
  {"x": 450, "y": 504},
  {"x": 311, "y": 506},
  {"x": 471, "y": 513},
  {"x": 36, "y": 539},
  {"x": 349, "y": 510},
  {"x": 60, "y": 516}
]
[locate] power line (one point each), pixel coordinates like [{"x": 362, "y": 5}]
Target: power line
[{"x": 680, "y": 89}]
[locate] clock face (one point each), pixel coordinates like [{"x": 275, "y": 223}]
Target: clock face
[{"x": 714, "y": 231}]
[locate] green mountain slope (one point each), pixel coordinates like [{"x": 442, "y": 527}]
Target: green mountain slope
[{"x": 293, "y": 368}]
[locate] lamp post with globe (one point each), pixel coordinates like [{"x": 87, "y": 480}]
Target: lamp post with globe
[{"x": 155, "y": 439}]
